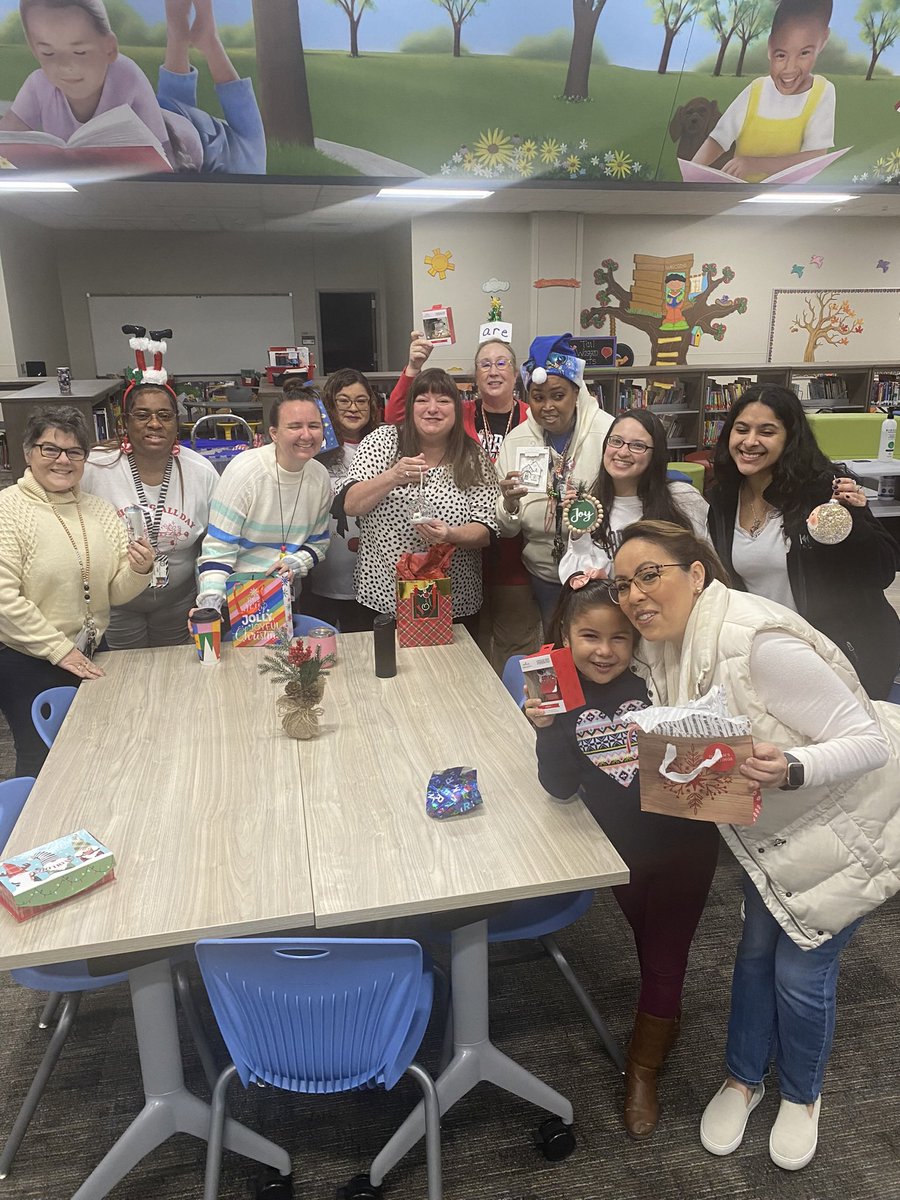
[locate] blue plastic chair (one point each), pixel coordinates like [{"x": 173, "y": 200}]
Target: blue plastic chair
[
  {"x": 319, "y": 1015},
  {"x": 66, "y": 983},
  {"x": 48, "y": 711},
  {"x": 304, "y": 624},
  {"x": 543, "y": 916}
]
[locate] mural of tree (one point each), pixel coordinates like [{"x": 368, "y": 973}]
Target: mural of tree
[
  {"x": 354, "y": 10},
  {"x": 702, "y": 312},
  {"x": 826, "y": 320},
  {"x": 281, "y": 69},
  {"x": 459, "y": 12},
  {"x": 722, "y": 16},
  {"x": 880, "y": 21},
  {"x": 755, "y": 19},
  {"x": 673, "y": 15},
  {"x": 586, "y": 14}
]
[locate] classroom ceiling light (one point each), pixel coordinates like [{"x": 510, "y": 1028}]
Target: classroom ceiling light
[
  {"x": 34, "y": 185},
  {"x": 800, "y": 198},
  {"x": 429, "y": 193}
]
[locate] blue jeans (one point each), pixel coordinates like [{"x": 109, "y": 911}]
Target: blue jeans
[{"x": 782, "y": 1004}]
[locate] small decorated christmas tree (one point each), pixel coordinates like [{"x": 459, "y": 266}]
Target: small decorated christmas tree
[{"x": 303, "y": 674}]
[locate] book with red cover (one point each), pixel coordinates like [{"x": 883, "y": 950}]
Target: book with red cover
[{"x": 114, "y": 144}]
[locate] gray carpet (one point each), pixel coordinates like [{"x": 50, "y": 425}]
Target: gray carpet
[{"x": 488, "y": 1148}]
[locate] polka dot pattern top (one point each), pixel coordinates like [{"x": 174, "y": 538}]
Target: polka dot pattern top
[{"x": 386, "y": 532}]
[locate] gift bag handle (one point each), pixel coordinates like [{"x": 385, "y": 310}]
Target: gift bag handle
[{"x": 688, "y": 776}]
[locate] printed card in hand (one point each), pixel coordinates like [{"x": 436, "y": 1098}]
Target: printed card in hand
[{"x": 533, "y": 465}]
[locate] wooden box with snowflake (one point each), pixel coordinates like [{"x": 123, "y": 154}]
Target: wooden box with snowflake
[{"x": 696, "y": 778}]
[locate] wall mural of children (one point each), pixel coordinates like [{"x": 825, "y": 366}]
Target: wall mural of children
[
  {"x": 83, "y": 75},
  {"x": 787, "y": 117}
]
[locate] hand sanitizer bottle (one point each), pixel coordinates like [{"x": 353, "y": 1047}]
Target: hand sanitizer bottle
[{"x": 888, "y": 438}]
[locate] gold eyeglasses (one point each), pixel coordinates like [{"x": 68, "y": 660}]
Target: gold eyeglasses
[{"x": 646, "y": 580}]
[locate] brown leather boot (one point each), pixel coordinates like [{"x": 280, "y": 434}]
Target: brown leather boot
[{"x": 651, "y": 1041}]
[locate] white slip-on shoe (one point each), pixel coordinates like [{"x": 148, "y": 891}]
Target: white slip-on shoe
[
  {"x": 794, "y": 1136},
  {"x": 725, "y": 1118}
]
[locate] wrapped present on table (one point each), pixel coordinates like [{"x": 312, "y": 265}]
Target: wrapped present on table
[
  {"x": 39, "y": 879},
  {"x": 424, "y": 599},
  {"x": 259, "y": 609},
  {"x": 689, "y": 760}
]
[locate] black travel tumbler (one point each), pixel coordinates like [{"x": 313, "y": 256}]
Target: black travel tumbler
[{"x": 384, "y": 630}]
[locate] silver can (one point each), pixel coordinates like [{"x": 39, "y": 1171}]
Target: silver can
[{"x": 133, "y": 516}]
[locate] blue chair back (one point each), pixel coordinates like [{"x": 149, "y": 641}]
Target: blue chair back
[
  {"x": 48, "y": 711},
  {"x": 315, "y": 1015},
  {"x": 304, "y": 625},
  {"x": 13, "y": 794},
  {"x": 514, "y": 680}
]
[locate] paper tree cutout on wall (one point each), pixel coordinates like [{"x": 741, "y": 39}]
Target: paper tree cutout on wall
[
  {"x": 826, "y": 320},
  {"x": 668, "y": 301},
  {"x": 438, "y": 263}
]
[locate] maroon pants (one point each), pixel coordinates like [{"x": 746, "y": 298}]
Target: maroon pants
[{"x": 663, "y": 904}]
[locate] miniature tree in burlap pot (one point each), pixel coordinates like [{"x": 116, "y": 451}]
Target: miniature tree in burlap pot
[{"x": 303, "y": 674}]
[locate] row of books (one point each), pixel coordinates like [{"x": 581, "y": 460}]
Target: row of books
[
  {"x": 885, "y": 392},
  {"x": 712, "y": 428},
  {"x": 655, "y": 395},
  {"x": 827, "y": 387},
  {"x": 721, "y": 396}
]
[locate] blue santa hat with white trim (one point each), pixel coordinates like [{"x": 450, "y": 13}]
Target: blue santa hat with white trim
[{"x": 553, "y": 355}]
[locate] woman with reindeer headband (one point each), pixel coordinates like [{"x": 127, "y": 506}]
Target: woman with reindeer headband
[{"x": 171, "y": 485}]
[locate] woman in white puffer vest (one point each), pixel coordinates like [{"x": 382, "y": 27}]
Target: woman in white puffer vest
[{"x": 825, "y": 850}]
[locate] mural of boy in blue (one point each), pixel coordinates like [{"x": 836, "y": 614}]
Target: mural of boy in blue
[
  {"x": 82, "y": 75},
  {"x": 786, "y": 117}
]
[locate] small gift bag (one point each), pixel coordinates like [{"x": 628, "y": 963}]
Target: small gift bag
[
  {"x": 424, "y": 599},
  {"x": 689, "y": 759}
]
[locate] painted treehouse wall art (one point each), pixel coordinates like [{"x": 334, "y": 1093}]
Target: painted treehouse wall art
[{"x": 670, "y": 302}]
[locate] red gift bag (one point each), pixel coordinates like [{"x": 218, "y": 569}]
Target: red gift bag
[{"x": 424, "y": 598}]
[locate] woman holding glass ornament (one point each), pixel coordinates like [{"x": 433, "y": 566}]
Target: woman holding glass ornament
[
  {"x": 770, "y": 478},
  {"x": 417, "y": 484}
]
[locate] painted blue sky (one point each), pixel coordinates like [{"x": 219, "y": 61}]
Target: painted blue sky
[{"x": 626, "y": 27}]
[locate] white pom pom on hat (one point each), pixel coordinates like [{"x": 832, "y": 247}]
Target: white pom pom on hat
[{"x": 539, "y": 375}]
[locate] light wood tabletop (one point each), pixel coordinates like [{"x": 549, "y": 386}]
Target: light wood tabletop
[
  {"x": 183, "y": 771},
  {"x": 374, "y": 852}
]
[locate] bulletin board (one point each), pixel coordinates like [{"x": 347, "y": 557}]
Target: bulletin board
[
  {"x": 833, "y": 325},
  {"x": 211, "y": 335}
]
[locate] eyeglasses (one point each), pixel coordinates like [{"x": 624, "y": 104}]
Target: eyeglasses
[
  {"x": 635, "y": 447},
  {"x": 646, "y": 581},
  {"x": 51, "y": 450},
  {"x": 485, "y": 364},
  {"x": 144, "y": 416},
  {"x": 344, "y": 403}
]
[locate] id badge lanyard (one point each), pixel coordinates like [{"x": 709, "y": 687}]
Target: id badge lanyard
[{"x": 160, "y": 574}]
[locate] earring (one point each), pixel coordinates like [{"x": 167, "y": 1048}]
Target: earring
[
  {"x": 176, "y": 449},
  {"x": 125, "y": 446}
]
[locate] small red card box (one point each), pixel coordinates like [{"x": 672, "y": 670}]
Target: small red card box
[
  {"x": 551, "y": 677},
  {"x": 437, "y": 322}
]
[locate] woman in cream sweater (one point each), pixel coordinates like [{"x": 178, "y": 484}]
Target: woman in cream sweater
[{"x": 64, "y": 560}]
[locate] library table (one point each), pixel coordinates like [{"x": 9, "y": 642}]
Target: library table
[
  {"x": 171, "y": 765},
  {"x": 374, "y": 852}
]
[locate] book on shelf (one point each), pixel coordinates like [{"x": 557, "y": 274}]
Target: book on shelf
[
  {"x": 678, "y": 426},
  {"x": 885, "y": 392},
  {"x": 827, "y": 387},
  {"x": 660, "y": 395},
  {"x": 712, "y": 428},
  {"x": 116, "y": 143},
  {"x": 721, "y": 396}
]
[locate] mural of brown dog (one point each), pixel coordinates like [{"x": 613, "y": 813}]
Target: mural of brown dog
[{"x": 692, "y": 124}]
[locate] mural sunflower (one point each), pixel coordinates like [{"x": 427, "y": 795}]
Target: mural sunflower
[
  {"x": 550, "y": 151},
  {"x": 493, "y": 148}
]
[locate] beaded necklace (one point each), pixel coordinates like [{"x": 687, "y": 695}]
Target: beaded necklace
[{"x": 87, "y": 638}]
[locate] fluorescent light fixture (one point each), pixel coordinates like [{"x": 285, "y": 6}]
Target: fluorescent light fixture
[
  {"x": 427, "y": 193},
  {"x": 34, "y": 185},
  {"x": 800, "y": 198}
]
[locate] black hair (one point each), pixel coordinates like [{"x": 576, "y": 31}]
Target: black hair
[
  {"x": 789, "y": 11},
  {"x": 681, "y": 546},
  {"x": 653, "y": 485},
  {"x": 336, "y": 382},
  {"x": 140, "y": 389},
  {"x": 64, "y": 418},
  {"x": 573, "y": 602},
  {"x": 294, "y": 389},
  {"x": 801, "y": 464},
  {"x": 675, "y": 277}
]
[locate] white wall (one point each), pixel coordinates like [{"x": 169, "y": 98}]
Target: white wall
[
  {"x": 760, "y": 250},
  {"x": 31, "y": 315},
  {"x": 232, "y": 264}
]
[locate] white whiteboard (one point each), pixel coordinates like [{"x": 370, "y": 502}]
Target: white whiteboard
[{"x": 211, "y": 335}]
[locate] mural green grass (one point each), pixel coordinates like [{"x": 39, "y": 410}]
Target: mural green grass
[{"x": 418, "y": 109}]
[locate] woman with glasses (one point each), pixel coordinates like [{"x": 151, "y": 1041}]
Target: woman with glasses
[
  {"x": 825, "y": 849},
  {"x": 633, "y": 483},
  {"x": 65, "y": 560},
  {"x": 329, "y": 592},
  {"x": 418, "y": 484},
  {"x": 172, "y": 485},
  {"x": 509, "y": 622},
  {"x": 770, "y": 475}
]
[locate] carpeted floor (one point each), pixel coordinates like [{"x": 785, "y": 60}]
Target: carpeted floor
[{"x": 488, "y": 1149}]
